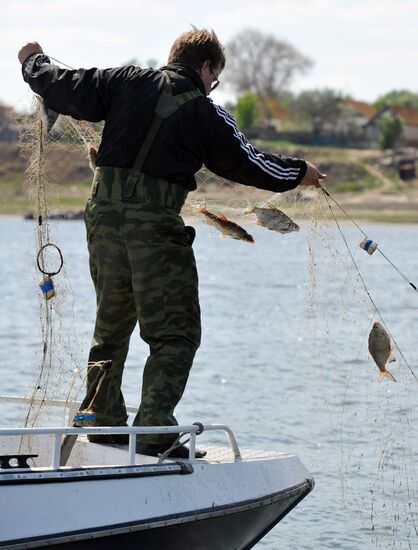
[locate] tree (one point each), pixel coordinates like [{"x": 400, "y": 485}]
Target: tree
[
  {"x": 405, "y": 98},
  {"x": 262, "y": 64},
  {"x": 135, "y": 61},
  {"x": 246, "y": 110},
  {"x": 131, "y": 61},
  {"x": 318, "y": 107},
  {"x": 390, "y": 126}
]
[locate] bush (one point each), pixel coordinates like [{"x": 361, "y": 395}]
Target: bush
[
  {"x": 390, "y": 126},
  {"x": 246, "y": 111}
]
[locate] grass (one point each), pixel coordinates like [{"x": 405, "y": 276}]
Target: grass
[
  {"x": 348, "y": 172},
  {"x": 70, "y": 196},
  {"x": 279, "y": 143},
  {"x": 16, "y": 199},
  {"x": 313, "y": 153},
  {"x": 358, "y": 185}
]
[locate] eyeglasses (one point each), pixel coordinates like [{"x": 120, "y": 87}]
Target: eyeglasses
[{"x": 216, "y": 82}]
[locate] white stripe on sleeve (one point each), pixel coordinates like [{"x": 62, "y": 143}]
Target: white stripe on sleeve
[{"x": 271, "y": 168}]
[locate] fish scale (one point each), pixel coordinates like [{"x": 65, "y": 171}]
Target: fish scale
[
  {"x": 380, "y": 348},
  {"x": 275, "y": 219},
  {"x": 226, "y": 227}
]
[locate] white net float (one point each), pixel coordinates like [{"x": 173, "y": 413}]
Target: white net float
[{"x": 368, "y": 245}]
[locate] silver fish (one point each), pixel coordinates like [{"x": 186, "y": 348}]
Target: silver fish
[
  {"x": 48, "y": 116},
  {"x": 380, "y": 348},
  {"x": 275, "y": 219},
  {"x": 226, "y": 227},
  {"x": 91, "y": 156}
]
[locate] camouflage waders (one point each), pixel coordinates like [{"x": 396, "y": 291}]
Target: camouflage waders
[{"x": 143, "y": 269}]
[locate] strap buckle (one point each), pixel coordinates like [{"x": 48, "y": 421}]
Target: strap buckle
[{"x": 129, "y": 185}]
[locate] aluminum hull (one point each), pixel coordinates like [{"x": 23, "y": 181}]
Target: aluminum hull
[
  {"x": 234, "y": 527},
  {"x": 109, "y": 497}
]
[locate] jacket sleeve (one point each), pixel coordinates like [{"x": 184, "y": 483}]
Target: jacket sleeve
[
  {"x": 230, "y": 156},
  {"x": 83, "y": 94}
]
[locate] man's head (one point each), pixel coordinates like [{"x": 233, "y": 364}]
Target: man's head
[{"x": 201, "y": 50}]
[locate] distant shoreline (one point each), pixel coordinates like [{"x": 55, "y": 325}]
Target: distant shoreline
[
  {"x": 364, "y": 182},
  {"x": 369, "y": 206}
]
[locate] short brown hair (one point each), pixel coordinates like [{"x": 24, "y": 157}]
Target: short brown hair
[{"x": 196, "y": 46}]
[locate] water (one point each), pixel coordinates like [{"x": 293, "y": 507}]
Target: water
[{"x": 283, "y": 361}]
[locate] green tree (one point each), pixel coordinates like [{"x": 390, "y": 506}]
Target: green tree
[
  {"x": 398, "y": 97},
  {"x": 135, "y": 61},
  {"x": 390, "y": 126},
  {"x": 246, "y": 110}
]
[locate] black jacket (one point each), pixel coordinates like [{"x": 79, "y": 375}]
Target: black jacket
[{"x": 199, "y": 133}]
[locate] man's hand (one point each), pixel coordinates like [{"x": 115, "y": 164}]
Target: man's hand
[
  {"x": 29, "y": 49},
  {"x": 313, "y": 176}
]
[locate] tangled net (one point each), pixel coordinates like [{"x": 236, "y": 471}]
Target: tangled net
[{"x": 384, "y": 430}]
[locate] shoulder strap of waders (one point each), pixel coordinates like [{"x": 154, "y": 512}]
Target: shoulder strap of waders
[{"x": 167, "y": 105}]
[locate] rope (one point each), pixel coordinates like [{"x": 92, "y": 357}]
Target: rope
[
  {"x": 101, "y": 365},
  {"x": 327, "y": 194},
  {"x": 175, "y": 445},
  {"x": 367, "y": 290},
  {"x": 39, "y": 258},
  {"x": 60, "y": 62},
  {"x": 37, "y": 175}
]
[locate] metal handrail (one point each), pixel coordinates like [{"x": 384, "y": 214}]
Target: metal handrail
[
  {"x": 50, "y": 402},
  {"x": 133, "y": 431}
]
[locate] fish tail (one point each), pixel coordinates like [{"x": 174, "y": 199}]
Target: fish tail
[{"x": 387, "y": 373}]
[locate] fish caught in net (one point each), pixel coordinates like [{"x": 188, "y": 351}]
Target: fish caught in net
[{"x": 384, "y": 429}]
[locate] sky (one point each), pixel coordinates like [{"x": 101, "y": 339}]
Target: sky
[{"x": 362, "y": 48}]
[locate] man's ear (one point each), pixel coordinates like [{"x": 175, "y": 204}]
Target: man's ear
[{"x": 205, "y": 65}]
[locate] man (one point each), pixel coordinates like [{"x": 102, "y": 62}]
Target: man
[{"x": 160, "y": 127}]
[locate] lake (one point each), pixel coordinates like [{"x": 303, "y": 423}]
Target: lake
[{"x": 283, "y": 361}]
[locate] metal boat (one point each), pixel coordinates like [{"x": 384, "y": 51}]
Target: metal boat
[{"x": 110, "y": 497}]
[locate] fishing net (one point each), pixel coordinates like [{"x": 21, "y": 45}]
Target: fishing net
[
  {"x": 374, "y": 425},
  {"x": 60, "y": 369}
]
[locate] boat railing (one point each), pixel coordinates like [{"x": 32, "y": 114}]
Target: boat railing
[
  {"x": 71, "y": 407},
  {"x": 58, "y": 432},
  {"x": 133, "y": 431}
]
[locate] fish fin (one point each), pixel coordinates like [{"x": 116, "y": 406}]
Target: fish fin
[
  {"x": 392, "y": 359},
  {"x": 223, "y": 218},
  {"x": 202, "y": 209},
  {"x": 387, "y": 373}
]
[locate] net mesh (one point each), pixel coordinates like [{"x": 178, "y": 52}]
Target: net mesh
[{"x": 384, "y": 431}]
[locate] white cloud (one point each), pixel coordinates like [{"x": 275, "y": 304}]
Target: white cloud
[
  {"x": 87, "y": 11},
  {"x": 364, "y": 45}
]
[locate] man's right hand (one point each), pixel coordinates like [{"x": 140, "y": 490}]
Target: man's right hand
[
  {"x": 29, "y": 49},
  {"x": 313, "y": 176}
]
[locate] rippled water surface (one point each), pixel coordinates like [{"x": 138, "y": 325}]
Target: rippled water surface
[{"x": 283, "y": 361}]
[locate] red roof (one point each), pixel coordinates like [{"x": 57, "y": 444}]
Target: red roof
[
  {"x": 409, "y": 114},
  {"x": 361, "y": 107}
]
